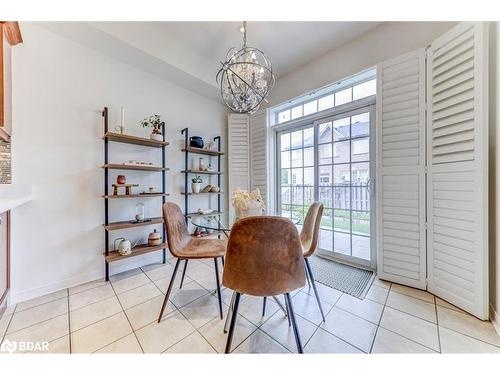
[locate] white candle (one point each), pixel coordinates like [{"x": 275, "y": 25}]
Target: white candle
[{"x": 123, "y": 117}]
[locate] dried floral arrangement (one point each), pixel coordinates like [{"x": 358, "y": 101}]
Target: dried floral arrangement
[{"x": 242, "y": 201}]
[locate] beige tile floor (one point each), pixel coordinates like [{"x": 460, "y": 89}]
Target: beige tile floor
[{"x": 120, "y": 317}]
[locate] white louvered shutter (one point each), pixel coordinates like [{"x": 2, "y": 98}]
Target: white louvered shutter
[
  {"x": 258, "y": 153},
  {"x": 401, "y": 255},
  {"x": 458, "y": 168},
  {"x": 238, "y": 156}
]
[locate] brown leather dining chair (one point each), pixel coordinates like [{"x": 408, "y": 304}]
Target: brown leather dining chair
[
  {"x": 309, "y": 239},
  {"x": 184, "y": 247},
  {"x": 264, "y": 258}
]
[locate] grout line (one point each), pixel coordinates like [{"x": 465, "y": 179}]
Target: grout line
[
  {"x": 8, "y": 324},
  {"x": 69, "y": 322},
  {"x": 437, "y": 325},
  {"x": 126, "y": 316},
  {"x": 34, "y": 324},
  {"x": 380, "y": 320}
]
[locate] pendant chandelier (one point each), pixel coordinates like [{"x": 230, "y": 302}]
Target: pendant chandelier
[{"x": 246, "y": 77}]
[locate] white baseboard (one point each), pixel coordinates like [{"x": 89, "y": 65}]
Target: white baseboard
[
  {"x": 118, "y": 267},
  {"x": 495, "y": 319}
]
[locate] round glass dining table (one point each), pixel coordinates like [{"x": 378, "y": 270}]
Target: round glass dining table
[{"x": 219, "y": 223}]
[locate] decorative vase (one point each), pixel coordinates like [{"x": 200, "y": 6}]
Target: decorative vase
[
  {"x": 156, "y": 137},
  {"x": 201, "y": 164},
  {"x": 120, "y": 180},
  {"x": 154, "y": 238},
  {"x": 195, "y": 187},
  {"x": 139, "y": 212}
]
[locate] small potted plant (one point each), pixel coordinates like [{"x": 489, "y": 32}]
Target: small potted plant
[
  {"x": 156, "y": 124},
  {"x": 196, "y": 184}
]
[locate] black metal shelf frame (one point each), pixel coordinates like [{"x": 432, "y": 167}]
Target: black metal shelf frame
[
  {"x": 187, "y": 151},
  {"x": 106, "y": 191}
]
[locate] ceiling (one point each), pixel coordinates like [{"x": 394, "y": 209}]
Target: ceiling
[
  {"x": 289, "y": 45},
  {"x": 189, "y": 53}
]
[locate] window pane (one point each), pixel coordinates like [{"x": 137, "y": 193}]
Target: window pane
[
  {"x": 342, "y": 243},
  {"x": 308, "y": 137},
  {"x": 298, "y": 195},
  {"x": 309, "y": 157},
  {"x": 360, "y": 197},
  {"x": 297, "y": 178},
  {"x": 364, "y": 89},
  {"x": 325, "y": 238},
  {"x": 344, "y": 96},
  {"x": 360, "y": 149},
  {"x": 360, "y": 246},
  {"x": 309, "y": 176},
  {"x": 311, "y": 107},
  {"x": 341, "y": 174},
  {"x": 325, "y": 154},
  {"x": 297, "y": 112},
  {"x": 361, "y": 223},
  {"x": 342, "y": 197},
  {"x": 325, "y": 175},
  {"x": 341, "y": 129},
  {"x": 285, "y": 195},
  {"x": 297, "y": 158},
  {"x": 360, "y": 125},
  {"x": 284, "y": 116},
  {"x": 325, "y": 132},
  {"x": 342, "y": 220},
  {"x": 285, "y": 142},
  {"x": 308, "y": 196},
  {"x": 285, "y": 177},
  {"x": 298, "y": 213},
  {"x": 341, "y": 152},
  {"x": 360, "y": 173},
  {"x": 285, "y": 159},
  {"x": 325, "y": 196},
  {"x": 297, "y": 139},
  {"x": 326, "y": 102}
]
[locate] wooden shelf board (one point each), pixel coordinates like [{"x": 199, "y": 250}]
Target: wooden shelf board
[
  {"x": 123, "y": 196},
  {"x": 196, "y": 214},
  {"x": 136, "y": 251},
  {"x": 202, "y": 172},
  {"x": 127, "y": 224},
  {"x": 220, "y": 192},
  {"x": 131, "y": 139},
  {"x": 135, "y": 167},
  {"x": 215, "y": 234},
  {"x": 202, "y": 151}
]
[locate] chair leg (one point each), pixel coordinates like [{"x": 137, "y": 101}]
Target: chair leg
[
  {"x": 264, "y": 306},
  {"x": 287, "y": 313},
  {"x": 307, "y": 276},
  {"x": 229, "y": 313},
  {"x": 169, "y": 289},
  {"x": 313, "y": 283},
  {"x": 294, "y": 323},
  {"x": 183, "y": 273},
  {"x": 233, "y": 323},
  {"x": 218, "y": 287},
  {"x": 222, "y": 258}
]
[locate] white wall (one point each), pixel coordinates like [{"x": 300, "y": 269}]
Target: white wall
[
  {"x": 382, "y": 43},
  {"x": 494, "y": 177},
  {"x": 59, "y": 90}
]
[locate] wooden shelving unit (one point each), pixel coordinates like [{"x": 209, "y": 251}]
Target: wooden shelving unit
[
  {"x": 128, "y": 224},
  {"x": 190, "y": 172},
  {"x": 131, "y": 167},
  {"x": 111, "y": 255}
]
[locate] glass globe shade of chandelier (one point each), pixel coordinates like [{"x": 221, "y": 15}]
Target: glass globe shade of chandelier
[{"x": 246, "y": 77}]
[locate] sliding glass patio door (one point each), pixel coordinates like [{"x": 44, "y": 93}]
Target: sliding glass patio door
[{"x": 332, "y": 161}]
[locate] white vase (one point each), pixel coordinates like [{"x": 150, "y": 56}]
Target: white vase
[
  {"x": 195, "y": 187},
  {"x": 156, "y": 137}
]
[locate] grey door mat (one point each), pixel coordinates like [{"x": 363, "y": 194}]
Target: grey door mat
[{"x": 348, "y": 279}]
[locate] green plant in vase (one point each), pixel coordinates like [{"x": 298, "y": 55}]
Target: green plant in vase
[
  {"x": 196, "y": 184},
  {"x": 156, "y": 124}
]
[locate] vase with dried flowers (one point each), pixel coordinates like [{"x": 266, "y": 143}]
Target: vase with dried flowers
[
  {"x": 247, "y": 203},
  {"x": 156, "y": 124}
]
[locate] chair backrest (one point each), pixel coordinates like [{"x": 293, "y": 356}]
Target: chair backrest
[
  {"x": 310, "y": 230},
  {"x": 176, "y": 228},
  {"x": 264, "y": 257}
]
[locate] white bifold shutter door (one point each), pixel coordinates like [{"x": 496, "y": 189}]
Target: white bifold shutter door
[
  {"x": 238, "y": 156},
  {"x": 258, "y": 153},
  {"x": 458, "y": 168},
  {"x": 401, "y": 255}
]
